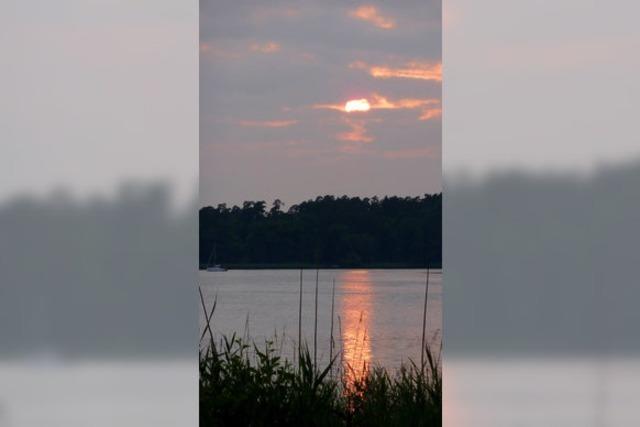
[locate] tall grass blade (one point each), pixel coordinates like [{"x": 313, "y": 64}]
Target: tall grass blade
[
  {"x": 333, "y": 299},
  {"x": 424, "y": 320},
  {"x": 300, "y": 318},
  {"x": 341, "y": 342},
  {"x": 315, "y": 325},
  {"x": 207, "y": 316}
]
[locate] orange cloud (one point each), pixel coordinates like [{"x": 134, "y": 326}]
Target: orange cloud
[
  {"x": 379, "y": 102},
  {"x": 431, "y": 113},
  {"x": 215, "y": 50},
  {"x": 268, "y": 47},
  {"x": 371, "y": 14},
  {"x": 338, "y": 107},
  {"x": 357, "y": 133},
  {"x": 430, "y": 106},
  {"x": 268, "y": 123},
  {"x": 410, "y": 70},
  {"x": 238, "y": 52}
]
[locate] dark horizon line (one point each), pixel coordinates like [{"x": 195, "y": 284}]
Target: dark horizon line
[{"x": 211, "y": 204}]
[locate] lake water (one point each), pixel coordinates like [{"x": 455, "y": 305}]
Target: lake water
[{"x": 378, "y": 313}]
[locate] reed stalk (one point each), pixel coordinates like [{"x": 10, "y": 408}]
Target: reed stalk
[
  {"x": 207, "y": 315},
  {"x": 341, "y": 342},
  {"x": 424, "y": 320},
  {"x": 333, "y": 299},
  {"x": 315, "y": 325},
  {"x": 300, "y": 318}
]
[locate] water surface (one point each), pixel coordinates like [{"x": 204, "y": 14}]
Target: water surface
[{"x": 378, "y": 313}]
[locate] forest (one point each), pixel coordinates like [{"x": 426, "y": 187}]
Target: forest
[{"x": 330, "y": 231}]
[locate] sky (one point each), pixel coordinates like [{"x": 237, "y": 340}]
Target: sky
[{"x": 275, "y": 80}]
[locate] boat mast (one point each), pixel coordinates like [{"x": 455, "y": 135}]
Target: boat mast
[{"x": 212, "y": 255}]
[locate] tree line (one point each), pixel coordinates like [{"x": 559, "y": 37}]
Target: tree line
[{"x": 329, "y": 231}]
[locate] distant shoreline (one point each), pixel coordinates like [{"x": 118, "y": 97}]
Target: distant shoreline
[{"x": 324, "y": 267}]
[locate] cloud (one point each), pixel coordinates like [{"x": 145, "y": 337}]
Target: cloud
[
  {"x": 218, "y": 51},
  {"x": 267, "y": 47},
  {"x": 430, "y": 107},
  {"x": 411, "y": 70},
  {"x": 379, "y": 102},
  {"x": 338, "y": 107},
  {"x": 357, "y": 133},
  {"x": 268, "y": 123},
  {"x": 371, "y": 14},
  {"x": 431, "y": 113},
  {"x": 238, "y": 51},
  {"x": 242, "y": 51}
]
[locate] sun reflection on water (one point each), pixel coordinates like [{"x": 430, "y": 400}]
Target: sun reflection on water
[{"x": 355, "y": 314}]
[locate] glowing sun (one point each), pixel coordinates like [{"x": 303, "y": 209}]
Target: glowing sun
[{"x": 357, "y": 105}]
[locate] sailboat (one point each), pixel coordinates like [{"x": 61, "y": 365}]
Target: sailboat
[{"x": 215, "y": 267}]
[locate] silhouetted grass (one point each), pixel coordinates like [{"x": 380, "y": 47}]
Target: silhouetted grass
[
  {"x": 411, "y": 396},
  {"x": 242, "y": 384}
]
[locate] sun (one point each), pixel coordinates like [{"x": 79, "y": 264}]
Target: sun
[{"x": 357, "y": 105}]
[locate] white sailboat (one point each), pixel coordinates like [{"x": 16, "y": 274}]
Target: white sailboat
[{"x": 215, "y": 267}]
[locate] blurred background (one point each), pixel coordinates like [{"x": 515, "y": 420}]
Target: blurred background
[
  {"x": 98, "y": 228},
  {"x": 541, "y": 213},
  {"x": 98, "y": 123}
]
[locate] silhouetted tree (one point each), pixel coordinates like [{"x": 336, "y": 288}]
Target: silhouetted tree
[{"x": 342, "y": 231}]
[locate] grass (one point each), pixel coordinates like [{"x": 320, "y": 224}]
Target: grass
[{"x": 243, "y": 384}]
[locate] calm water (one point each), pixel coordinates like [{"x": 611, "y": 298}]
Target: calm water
[{"x": 378, "y": 313}]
